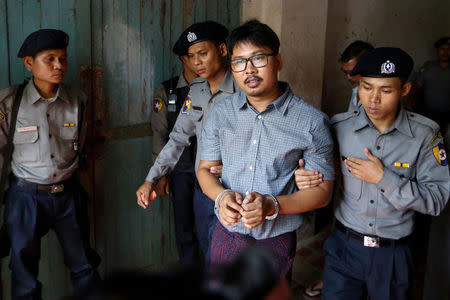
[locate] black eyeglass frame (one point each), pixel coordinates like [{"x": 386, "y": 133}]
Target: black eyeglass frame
[{"x": 250, "y": 59}]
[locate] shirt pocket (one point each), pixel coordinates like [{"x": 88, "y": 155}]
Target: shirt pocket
[
  {"x": 67, "y": 143},
  {"x": 405, "y": 173},
  {"x": 352, "y": 186},
  {"x": 26, "y": 146}
]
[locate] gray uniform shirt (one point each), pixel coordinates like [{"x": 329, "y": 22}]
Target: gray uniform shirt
[
  {"x": 260, "y": 151},
  {"x": 160, "y": 126},
  {"x": 436, "y": 85},
  {"x": 189, "y": 123},
  {"x": 47, "y": 133},
  {"x": 414, "y": 178}
]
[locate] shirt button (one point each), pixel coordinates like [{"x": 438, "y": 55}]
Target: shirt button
[
  {"x": 54, "y": 175},
  {"x": 370, "y": 224},
  {"x": 259, "y": 117},
  {"x": 52, "y": 156},
  {"x": 382, "y": 190},
  {"x": 251, "y": 167},
  {"x": 50, "y": 136},
  {"x": 48, "y": 115},
  {"x": 378, "y": 147},
  {"x": 371, "y": 201},
  {"x": 254, "y": 141}
]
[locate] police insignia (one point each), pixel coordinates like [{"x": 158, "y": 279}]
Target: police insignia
[
  {"x": 2, "y": 116},
  {"x": 437, "y": 137},
  {"x": 157, "y": 105},
  {"x": 191, "y": 37},
  {"x": 187, "y": 104},
  {"x": 387, "y": 68},
  {"x": 440, "y": 155}
]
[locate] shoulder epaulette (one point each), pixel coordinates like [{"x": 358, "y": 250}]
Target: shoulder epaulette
[
  {"x": 343, "y": 116},
  {"x": 415, "y": 117}
]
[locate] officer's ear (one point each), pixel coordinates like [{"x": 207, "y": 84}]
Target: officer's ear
[
  {"x": 28, "y": 61},
  {"x": 222, "y": 49},
  {"x": 406, "y": 87}
]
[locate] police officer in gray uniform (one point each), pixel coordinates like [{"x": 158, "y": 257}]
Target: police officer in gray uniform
[
  {"x": 49, "y": 133},
  {"x": 393, "y": 165},
  {"x": 204, "y": 44},
  {"x": 168, "y": 100}
]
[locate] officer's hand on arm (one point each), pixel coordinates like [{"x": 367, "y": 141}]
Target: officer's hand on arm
[
  {"x": 145, "y": 194},
  {"x": 305, "y": 178},
  {"x": 216, "y": 170},
  {"x": 229, "y": 207},
  {"x": 162, "y": 187},
  {"x": 255, "y": 209},
  {"x": 370, "y": 170}
]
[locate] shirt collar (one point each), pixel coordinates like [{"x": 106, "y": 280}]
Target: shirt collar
[
  {"x": 32, "y": 95},
  {"x": 401, "y": 123},
  {"x": 228, "y": 84},
  {"x": 182, "y": 82},
  {"x": 280, "y": 104}
]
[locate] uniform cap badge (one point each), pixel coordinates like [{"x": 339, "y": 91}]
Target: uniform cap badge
[
  {"x": 387, "y": 68},
  {"x": 191, "y": 37}
]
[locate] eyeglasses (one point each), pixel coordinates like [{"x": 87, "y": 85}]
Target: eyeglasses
[{"x": 257, "y": 61}]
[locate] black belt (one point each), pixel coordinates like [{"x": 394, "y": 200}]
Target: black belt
[
  {"x": 370, "y": 240},
  {"x": 52, "y": 188}
]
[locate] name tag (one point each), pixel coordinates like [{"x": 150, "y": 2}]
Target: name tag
[{"x": 25, "y": 129}]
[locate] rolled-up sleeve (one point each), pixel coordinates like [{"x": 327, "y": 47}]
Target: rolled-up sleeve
[
  {"x": 210, "y": 146},
  {"x": 319, "y": 156}
]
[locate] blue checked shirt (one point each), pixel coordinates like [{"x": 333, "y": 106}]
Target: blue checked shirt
[{"x": 260, "y": 151}]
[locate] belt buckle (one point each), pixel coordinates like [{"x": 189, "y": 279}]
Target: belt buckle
[
  {"x": 58, "y": 188},
  {"x": 372, "y": 242}
]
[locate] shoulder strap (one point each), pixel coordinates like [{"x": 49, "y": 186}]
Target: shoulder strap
[{"x": 9, "y": 142}]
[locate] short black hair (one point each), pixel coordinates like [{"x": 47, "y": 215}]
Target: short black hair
[
  {"x": 256, "y": 33},
  {"x": 355, "y": 50}
]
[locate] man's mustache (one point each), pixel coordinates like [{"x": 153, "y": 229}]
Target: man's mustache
[{"x": 252, "y": 77}]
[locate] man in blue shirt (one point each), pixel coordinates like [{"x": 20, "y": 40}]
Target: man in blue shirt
[{"x": 259, "y": 134}]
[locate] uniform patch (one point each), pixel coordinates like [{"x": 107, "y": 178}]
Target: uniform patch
[
  {"x": 437, "y": 137},
  {"x": 69, "y": 124},
  {"x": 187, "y": 104},
  {"x": 440, "y": 155},
  {"x": 157, "y": 104},
  {"x": 2, "y": 116}
]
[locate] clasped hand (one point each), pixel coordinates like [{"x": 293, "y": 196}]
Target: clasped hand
[{"x": 251, "y": 210}]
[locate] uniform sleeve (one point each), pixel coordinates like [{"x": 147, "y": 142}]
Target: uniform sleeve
[
  {"x": 167, "y": 159},
  {"x": 428, "y": 193},
  {"x": 6, "y": 100},
  {"x": 159, "y": 121},
  {"x": 319, "y": 156},
  {"x": 210, "y": 147}
]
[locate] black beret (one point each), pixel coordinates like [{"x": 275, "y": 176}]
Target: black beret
[
  {"x": 200, "y": 32},
  {"x": 384, "y": 62},
  {"x": 43, "y": 39},
  {"x": 442, "y": 41}
]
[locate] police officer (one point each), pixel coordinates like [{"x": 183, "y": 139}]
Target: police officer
[
  {"x": 204, "y": 44},
  {"x": 168, "y": 101},
  {"x": 49, "y": 133},
  {"x": 393, "y": 165},
  {"x": 432, "y": 83}
]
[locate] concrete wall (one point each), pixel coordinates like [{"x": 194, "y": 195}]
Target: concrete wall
[
  {"x": 413, "y": 25},
  {"x": 301, "y": 27}
]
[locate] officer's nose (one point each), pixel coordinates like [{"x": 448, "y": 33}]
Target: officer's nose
[{"x": 375, "y": 96}]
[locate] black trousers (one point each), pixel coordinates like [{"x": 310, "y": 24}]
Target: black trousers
[{"x": 29, "y": 214}]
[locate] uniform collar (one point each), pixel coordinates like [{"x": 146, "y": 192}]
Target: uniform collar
[
  {"x": 228, "y": 84},
  {"x": 182, "y": 82},
  {"x": 32, "y": 95},
  {"x": 280, "y": 104},
  {"x": 401, "y": 122}
]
